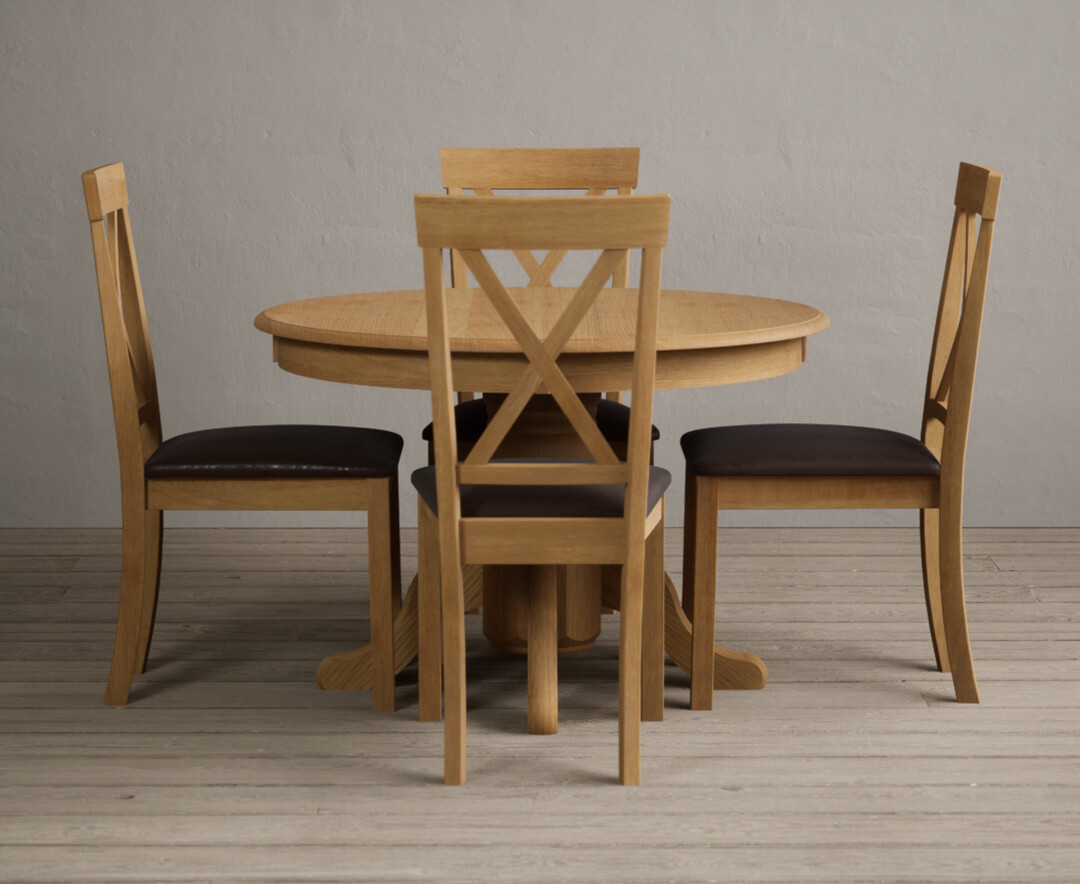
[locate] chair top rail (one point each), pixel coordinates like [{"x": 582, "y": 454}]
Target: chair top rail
[
  {"x": 977, "y": 190},
  {"x": 539, "y": 168},
  {"x": 570, "y": 222},
  {"x": 106, "y": 190}
]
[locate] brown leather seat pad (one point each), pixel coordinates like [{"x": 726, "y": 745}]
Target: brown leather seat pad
[
  {"x": 541, "y": 501},
  {"x": 277, "y": 451},
  {"x": 613, "y": 419},
  {"x": 805, "y": 450}
]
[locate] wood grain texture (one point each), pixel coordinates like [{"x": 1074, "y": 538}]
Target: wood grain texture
[
  {"x": 394, "y": 320},
  {"x": 498, "y": 372}
]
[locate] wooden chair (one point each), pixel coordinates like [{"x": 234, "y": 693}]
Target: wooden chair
[
  {"x": 483, "y": 171},
  {"x": 541, "y": 513},
  {"x": 794, "y": 466},
  {"x": 232, "y": 468}
]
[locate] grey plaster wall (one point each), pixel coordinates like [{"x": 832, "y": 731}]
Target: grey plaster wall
[{"x": 273, "y": 149}]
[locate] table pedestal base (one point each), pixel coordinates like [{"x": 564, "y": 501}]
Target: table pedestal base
[
  {"x": 732, "y": 670},
  {"x": 506, "y": 608}
]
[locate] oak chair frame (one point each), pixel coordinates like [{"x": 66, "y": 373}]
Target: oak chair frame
[
  {"x": 137, "y": 417},
  {"x": 945, "y": 421},
  {"x": 470, "y": 225}
]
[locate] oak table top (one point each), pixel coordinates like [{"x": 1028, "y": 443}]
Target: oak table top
[{"x": 380, "y": 338}]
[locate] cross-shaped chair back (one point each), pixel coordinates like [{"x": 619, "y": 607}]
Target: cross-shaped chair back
[
  {"x": 127, "y": 338},
  {"x": 951, "y": 377},
  {"x": 596, "y": 170},
  {"x": 521, "y": 532},
  {"x": 471, "y": 225}
]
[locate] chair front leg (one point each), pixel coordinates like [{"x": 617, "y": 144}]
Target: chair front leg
[
  {"x": 630, "y": 616},
  {"x": 384, "y": 584},
  {"x": 652, "y": 629},
  {"x": 396, "y": 588},
  {"x": 453, "y": 643},
  {"x": 152, "y": 581},
  {"x": 429, "y": 651},
  {"x": 929, "y": 520},
  {"x": 699, "y": 576}
]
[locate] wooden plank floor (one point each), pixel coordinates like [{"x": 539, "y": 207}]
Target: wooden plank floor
[{"x": 853, "y": 764}]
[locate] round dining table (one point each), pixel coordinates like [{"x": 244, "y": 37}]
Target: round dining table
[{"x": 380, "y": 339}]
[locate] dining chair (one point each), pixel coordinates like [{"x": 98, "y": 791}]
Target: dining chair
[
  {"x": 483, "y": 171},
  {"x": 543, "y": 512},
  {"x": 277, "y": 467},
  {"x": 810, "y": 466}
]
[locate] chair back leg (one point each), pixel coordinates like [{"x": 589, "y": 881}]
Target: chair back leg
[
  {"x": 931, "y": 567},
  {"x": 152, "y": 581},
  {"x": 129, "y": 619},
  {"x": 954, "y": 612}
]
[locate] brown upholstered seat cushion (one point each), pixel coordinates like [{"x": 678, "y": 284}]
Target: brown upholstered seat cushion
[
  {"x": 805, "y": 450},
  {"x": 540, "y": 501},
  {"x": 613, "y": 419},
  {"x": 277, "y": 452}
]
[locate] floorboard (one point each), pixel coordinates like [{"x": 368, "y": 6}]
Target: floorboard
[{"x": 229, "y": 764}]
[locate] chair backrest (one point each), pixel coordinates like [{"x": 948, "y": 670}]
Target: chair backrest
[
  {"x": 951, "y": 377},
  {"x": 596, "y": 170},
  {"x": 127, "y": 338},
  {"x": 473, "y": 224}
]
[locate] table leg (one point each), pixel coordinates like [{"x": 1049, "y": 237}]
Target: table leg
[
  {"x": 732, "y": 670},
  {"x": 352, "y": 670}
]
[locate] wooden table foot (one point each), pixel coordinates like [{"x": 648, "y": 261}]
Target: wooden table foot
[
  {"x": 352, "y": 670},
  {"x": 732, "y": 670}
]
